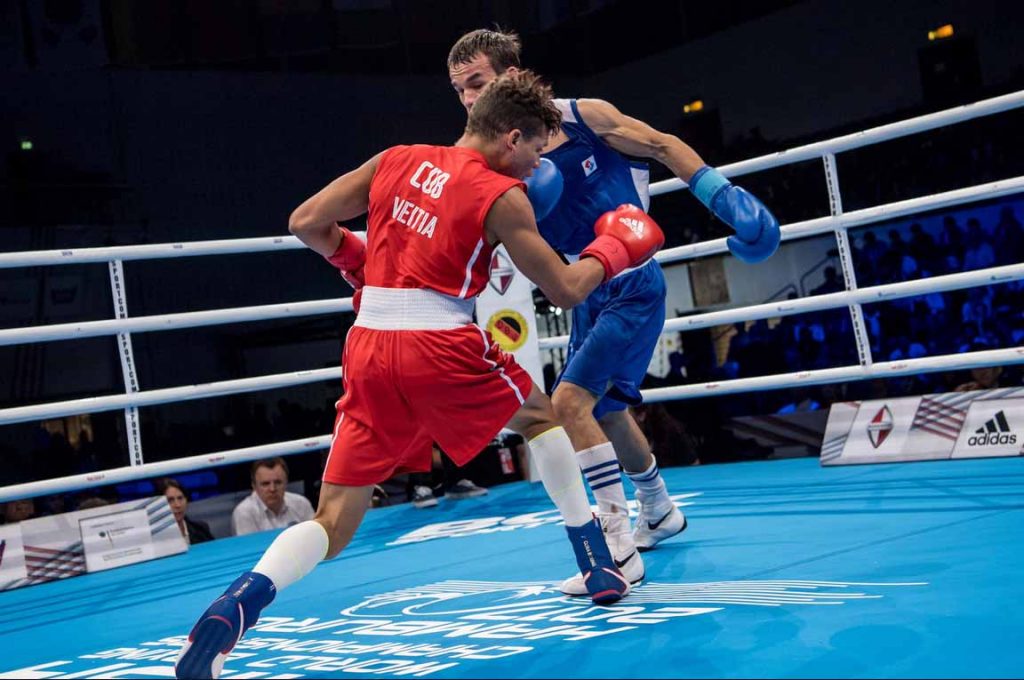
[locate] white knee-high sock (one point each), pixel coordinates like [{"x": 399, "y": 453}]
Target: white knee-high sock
[
  {"x": 651, "y": 487},
  {"x": 293, "y": 554},
  {"x": 560, "y": 474},
  {"x": 601, "y": 468}
]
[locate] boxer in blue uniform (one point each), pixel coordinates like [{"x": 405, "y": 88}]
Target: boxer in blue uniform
[{"x": 584, "y": 174}]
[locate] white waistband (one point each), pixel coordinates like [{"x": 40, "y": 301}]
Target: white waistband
[
  {"x": 412, "y": 309},
  {"x": 576, "y": 258}
]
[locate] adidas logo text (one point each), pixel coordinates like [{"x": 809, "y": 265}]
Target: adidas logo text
[
  {"x": 995, "y": 432},
  {"x": 992, "y": 439}
]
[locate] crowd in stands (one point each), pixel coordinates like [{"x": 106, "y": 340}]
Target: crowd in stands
[{"x": 952, "y": 322}]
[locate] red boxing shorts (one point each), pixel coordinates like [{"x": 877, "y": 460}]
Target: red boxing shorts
[{"x": 405, "y": 390}]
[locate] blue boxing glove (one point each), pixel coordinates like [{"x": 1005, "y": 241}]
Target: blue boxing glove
[
  {"x": 544, "y": 188},
  {"x": 757, "y": 231}
]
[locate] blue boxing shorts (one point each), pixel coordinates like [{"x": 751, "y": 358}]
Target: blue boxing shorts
[{"x": 614, "y": 333}]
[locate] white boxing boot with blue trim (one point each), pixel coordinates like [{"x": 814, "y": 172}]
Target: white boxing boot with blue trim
[{"x": 656, "y": 521}]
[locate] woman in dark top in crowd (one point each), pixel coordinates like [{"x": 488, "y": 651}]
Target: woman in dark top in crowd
[{"x": 193, "y": 530}]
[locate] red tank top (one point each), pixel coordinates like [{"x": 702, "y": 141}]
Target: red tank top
[{"x": 425, "y": 227}]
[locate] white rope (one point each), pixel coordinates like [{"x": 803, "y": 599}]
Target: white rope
[
  {"x": 821, "y": 225},
  {"x": 888, "y": 211},
  {"x": 34, "y": 258},
  {"x": 882, "y": 133},
  {"x": 168, "y": 467},
  {"x": 60, "y": 409},
  {"x": 766, "y": 311},
  {"x": 167, "y": 322},
  {"x": 884, "y": 369},
  {"x": 889, "y": 369},
  {"x": 156, "y": 251},
  {"x": 817, "y": 303}
]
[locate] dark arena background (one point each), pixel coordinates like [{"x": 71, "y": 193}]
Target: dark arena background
[{"x": 842, "y": 425}]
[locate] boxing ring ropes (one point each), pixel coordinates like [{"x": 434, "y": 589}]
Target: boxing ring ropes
[{"x": 837, "y": 223}]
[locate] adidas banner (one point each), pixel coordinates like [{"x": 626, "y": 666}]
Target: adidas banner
[
  {"x": 932, "y": 427},
  {"x": 987, "y": 430}
]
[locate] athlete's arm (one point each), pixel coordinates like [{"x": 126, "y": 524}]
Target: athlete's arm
[
  {"x": 344, "y": 198},
  {"x": 757, "y": 230},
  {"x": 510, "y": 221},
  {"x": 634, "y": 137}
]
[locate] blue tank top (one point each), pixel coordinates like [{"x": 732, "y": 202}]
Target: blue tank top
[{"x": 596, "y": 179}]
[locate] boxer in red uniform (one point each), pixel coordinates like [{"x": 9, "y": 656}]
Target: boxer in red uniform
[{"x": 417, "y": 370}]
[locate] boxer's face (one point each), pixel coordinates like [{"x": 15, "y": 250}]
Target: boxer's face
[
  {"x": 522, "y": 154},
  {"x": 518, "y": 155},
  {"x": 470, "y": 79}
]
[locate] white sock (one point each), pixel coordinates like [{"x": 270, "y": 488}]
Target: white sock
[
  {"x": 553, "y": 454},
  {"x": 651, "y": 486},
  {"x": 601, "y": 468},
  {"x": 293, "y": 554}
]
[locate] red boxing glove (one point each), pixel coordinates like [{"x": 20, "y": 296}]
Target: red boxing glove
[
  {"x": 350, "y": 258},
  {"x": 626, "y": 237}
]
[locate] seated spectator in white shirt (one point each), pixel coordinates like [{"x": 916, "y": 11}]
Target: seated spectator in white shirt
[{"x": 269, "y": 506}]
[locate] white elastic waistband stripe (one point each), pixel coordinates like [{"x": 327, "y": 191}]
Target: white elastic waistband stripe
[{"x": 397, "y": 309}]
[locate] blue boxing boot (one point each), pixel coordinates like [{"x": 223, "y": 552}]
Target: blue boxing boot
[
  {"x": 604, "y": 582},
  {"x": 757, "y": 231},
  {"x": 222, "y": 625}
]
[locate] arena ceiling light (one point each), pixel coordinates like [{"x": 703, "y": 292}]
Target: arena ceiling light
[
  {"x": 694, "y": 106},
  {"x": 941, "y": 32}
]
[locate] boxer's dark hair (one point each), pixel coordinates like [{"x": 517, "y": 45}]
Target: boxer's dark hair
[
  {"x": 501, "y": 49},
  {"x": 519, "y": 100}
]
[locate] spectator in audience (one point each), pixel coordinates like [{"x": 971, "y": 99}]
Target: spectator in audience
[
  {"x": 922, "y": 247},
  {"x": 951, "y": 244},
  {"x": 91, "y": 502},
  {"x": 891, "y": 265},
  {"x": 271, "y": 505},
  {"x": 19, "y": 510},
  {"x": 53, "y": 505},
  {"x": 979, "y": 253},
  {"x": 976, "y": 311},
  {"x": 671, "y": 443},
  {"x": 1009, "y": 237},
  {"x": 832, "y": 284},
  {"x": 872, "y": 251},
  {"x": 982, "y": 378},
  {"x": 421, "y": 485},
  {"x": 88, "y": 455},
  {"x": 193, "y": 530}
]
